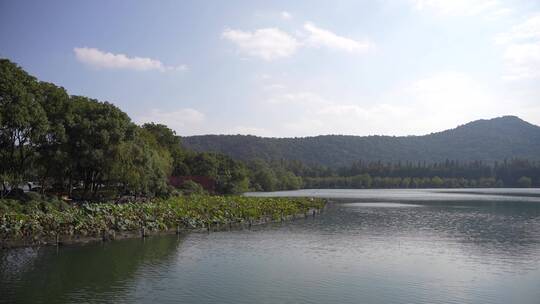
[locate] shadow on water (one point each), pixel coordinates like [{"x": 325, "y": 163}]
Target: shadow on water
[{"x": 57, "y": 275}]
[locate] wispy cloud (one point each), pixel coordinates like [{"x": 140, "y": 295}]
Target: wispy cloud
[
  {"x": 523, "y": 61},
  {"x": 185, "y": 121},
  {"x": 286, "y": 15},
  {"x": 522, "y": 49},
  {"x": 106, "y": 60},
  {"x": 319, "y": 37},
  {"x": 526, "y": 30},
  {"x": 267, "y": 43},
  {"x": 319, "y": 115},
  {"x": 488, "y": 8},
  {"x": 436, "y": 102},
  {"x": 304, "y": 98}
]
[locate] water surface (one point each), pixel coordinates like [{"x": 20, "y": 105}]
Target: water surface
[{"x": 367, "y": 247}]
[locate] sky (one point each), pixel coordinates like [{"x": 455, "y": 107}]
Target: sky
[{"x": 287, "y": 68}]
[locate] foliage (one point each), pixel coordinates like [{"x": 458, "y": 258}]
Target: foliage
[
  {"x": 191, "y": 187},
  {"x": 487, "y": 140},
  {"x": 142, "y": 165},
  {"x": 23, "y": 121},
  {"x": 38, "y": 219},
  {"x": 447, "y": 174},
  {"x": 524, "y": 182}
]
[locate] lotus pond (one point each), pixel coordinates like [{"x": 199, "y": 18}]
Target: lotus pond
[{"x": 33, "y": 222}]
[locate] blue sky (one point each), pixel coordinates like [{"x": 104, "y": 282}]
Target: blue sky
[{"x": 284, "y": 68}]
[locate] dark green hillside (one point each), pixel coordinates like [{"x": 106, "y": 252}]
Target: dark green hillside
[{"x": 487, "y": 140}]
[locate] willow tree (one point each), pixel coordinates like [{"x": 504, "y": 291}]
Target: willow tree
[{"x": 142, "y": 166}]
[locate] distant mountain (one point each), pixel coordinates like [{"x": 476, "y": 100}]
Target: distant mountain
[{"x": 488, "y": 140}]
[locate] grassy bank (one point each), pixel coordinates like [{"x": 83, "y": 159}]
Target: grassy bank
[{"x": 35, "y": 221}]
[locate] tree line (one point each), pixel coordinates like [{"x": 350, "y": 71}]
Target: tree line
[{"x": 447, "y": 174}]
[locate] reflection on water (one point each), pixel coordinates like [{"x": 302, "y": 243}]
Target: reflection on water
[
  {"x": 380, "y": 205},
  {"x": 95, "y": 272},
  {"x": 357, "y": 251},
  {"x": 429, "y": 195}
]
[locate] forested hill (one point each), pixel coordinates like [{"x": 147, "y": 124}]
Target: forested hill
[{"x": 495, "y": 139}]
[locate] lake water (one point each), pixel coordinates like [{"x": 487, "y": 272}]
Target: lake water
[{"x": 370, "y": 246}]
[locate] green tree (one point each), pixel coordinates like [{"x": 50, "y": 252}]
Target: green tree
[
  {"x": 168, "y": 139},
  {"x": 262, "y": 176},
  {"x": 142, "y": 165},
  {"x": 203, "y": 164},
  {"x": 94, "y": 140},
  {"x": 437, "y": 182},
  {"x": 53, "y": 154},
  {"x": 524, "y": 182},
  {"x": 190, "y": 187},
  {"x": 23, "y": 122},
  {"x": 232, "y": 176}
]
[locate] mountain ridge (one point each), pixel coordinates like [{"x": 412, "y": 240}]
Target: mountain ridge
[{"x": 493, "y": 139}]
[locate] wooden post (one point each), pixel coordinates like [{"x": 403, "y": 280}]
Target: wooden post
[{"x": 57, "y": 239}]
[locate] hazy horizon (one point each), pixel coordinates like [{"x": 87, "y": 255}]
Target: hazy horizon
[
  {"x": 397, "y": 68},
  {"x": 368, "y": 135}
]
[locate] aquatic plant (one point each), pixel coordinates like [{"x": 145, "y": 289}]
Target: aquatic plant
[{"x": 33, "y": 221}]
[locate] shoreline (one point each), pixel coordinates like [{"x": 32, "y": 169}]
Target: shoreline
[{"x": 113, "y": 235}]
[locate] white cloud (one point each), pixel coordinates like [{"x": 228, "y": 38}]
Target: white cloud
[
  {"x": 267, "y": 43},
  {"x": 434, "y": 103},
  {"x": 308, "y": 99},
  {"x": 318, "y": 37},
  {"x": 286, "y": 15},
  {"x": 522, "y": 49},
  {"x": 523, "y": 61},
  {"x": 448, "y": 90},
  {"x": 445, "y": 100},
  {"x": 488, "y": 8},
  {"x": 100, "y": 59},
  {"x": 185, "y": 121},
  {"x": 273, "y": 43},
  {"x": 274, "y": 87},
  {"x": 311, "y": 114},
  {"x": 346, "y": 118},
  {"x": 529, "y": 29}
]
